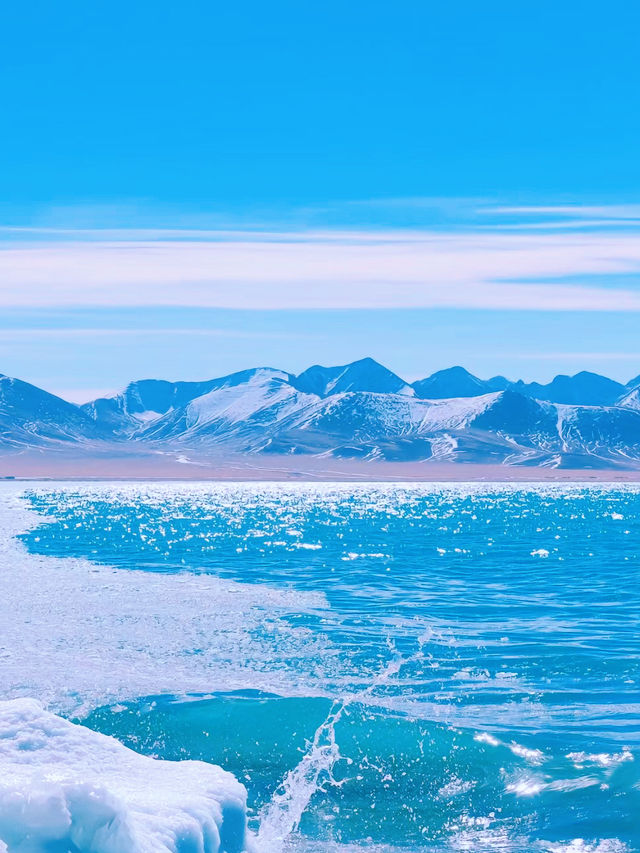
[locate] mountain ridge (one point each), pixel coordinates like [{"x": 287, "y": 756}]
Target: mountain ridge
[{"x": 360, "y": 410}]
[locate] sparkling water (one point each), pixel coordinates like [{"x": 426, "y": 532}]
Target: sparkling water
[{"x": 425, "y": 667}]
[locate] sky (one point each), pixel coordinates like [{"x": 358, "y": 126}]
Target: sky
[{"x": 192, "y": 189}]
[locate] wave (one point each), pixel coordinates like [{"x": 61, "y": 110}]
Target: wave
[{"x": 343, "y": 774}]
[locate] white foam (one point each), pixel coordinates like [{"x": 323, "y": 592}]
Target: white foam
[
  {"x": 62, "y": 784},
  {"x": 75, "y": 635},
  {"x": 600, "y": 759},
  {"x": 579, "y": 845},
  {"x": 540, "y": 552}
]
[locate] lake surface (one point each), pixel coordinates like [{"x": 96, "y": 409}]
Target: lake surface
[{"x": 457, "y": 666}]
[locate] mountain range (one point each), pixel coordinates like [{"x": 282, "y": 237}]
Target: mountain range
[{"x": 360, "y": 410}]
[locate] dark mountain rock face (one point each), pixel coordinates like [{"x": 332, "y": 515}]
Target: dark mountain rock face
[
  {"x": 586, "y": 389},
  {"x": 453, "y": 382},
  {"x": 363, "y": 375},
  {"x": 498, "y": 383},
  {"x": 519, "y": 417}
]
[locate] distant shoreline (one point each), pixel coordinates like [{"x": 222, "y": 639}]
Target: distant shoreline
[{"x": 109, "y": 467}]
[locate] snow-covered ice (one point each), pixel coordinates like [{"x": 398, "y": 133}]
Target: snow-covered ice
[
  {"x": 65, "y": 787},
  {"x": 76, "y": 635}
]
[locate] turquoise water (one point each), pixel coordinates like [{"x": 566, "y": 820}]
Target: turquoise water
[{"x": 475, "y": 680}]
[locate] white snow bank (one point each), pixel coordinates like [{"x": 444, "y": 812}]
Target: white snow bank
[{"x": 65, "y": 787}]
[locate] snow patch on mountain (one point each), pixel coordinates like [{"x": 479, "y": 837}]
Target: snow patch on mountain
[
  {"x": 233, "y": 404},
  {"x": 631, "y": 400},
  {"x": 456, "y": 413}
]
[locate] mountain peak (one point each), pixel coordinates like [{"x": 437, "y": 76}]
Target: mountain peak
[
  {"x": 457, "y": 370},
  {"x": 450, "y": 382},
  {"x": 29, "y": 415},
  {"x": 584, "y": 388},
  {"x": 366, "y": 374}
]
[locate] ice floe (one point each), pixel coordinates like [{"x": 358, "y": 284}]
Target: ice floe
[{"x": 65, "y": 787}]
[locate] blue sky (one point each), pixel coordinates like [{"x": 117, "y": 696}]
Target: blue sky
[{"x": 188, "y": 189}]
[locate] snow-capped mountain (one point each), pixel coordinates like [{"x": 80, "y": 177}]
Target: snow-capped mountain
[
  {"x": 360, "y": 411},
  {"x": 147, "y": 400},
  {"x": 240, "y": 410},
  {"x": 30, "y": 416}
]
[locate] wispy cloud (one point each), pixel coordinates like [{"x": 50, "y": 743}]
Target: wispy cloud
[
  {"x": 615, "y": 212},
  {"x": 328, "y": 269},
  {"x": 91, "y": 334},
  {"x": 583, "y": 357}
]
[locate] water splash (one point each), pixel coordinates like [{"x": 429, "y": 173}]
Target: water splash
[{"x": 281, "y": 816}]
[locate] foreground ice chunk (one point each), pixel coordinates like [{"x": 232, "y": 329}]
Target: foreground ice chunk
[{"x": 66, "y": 788}]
